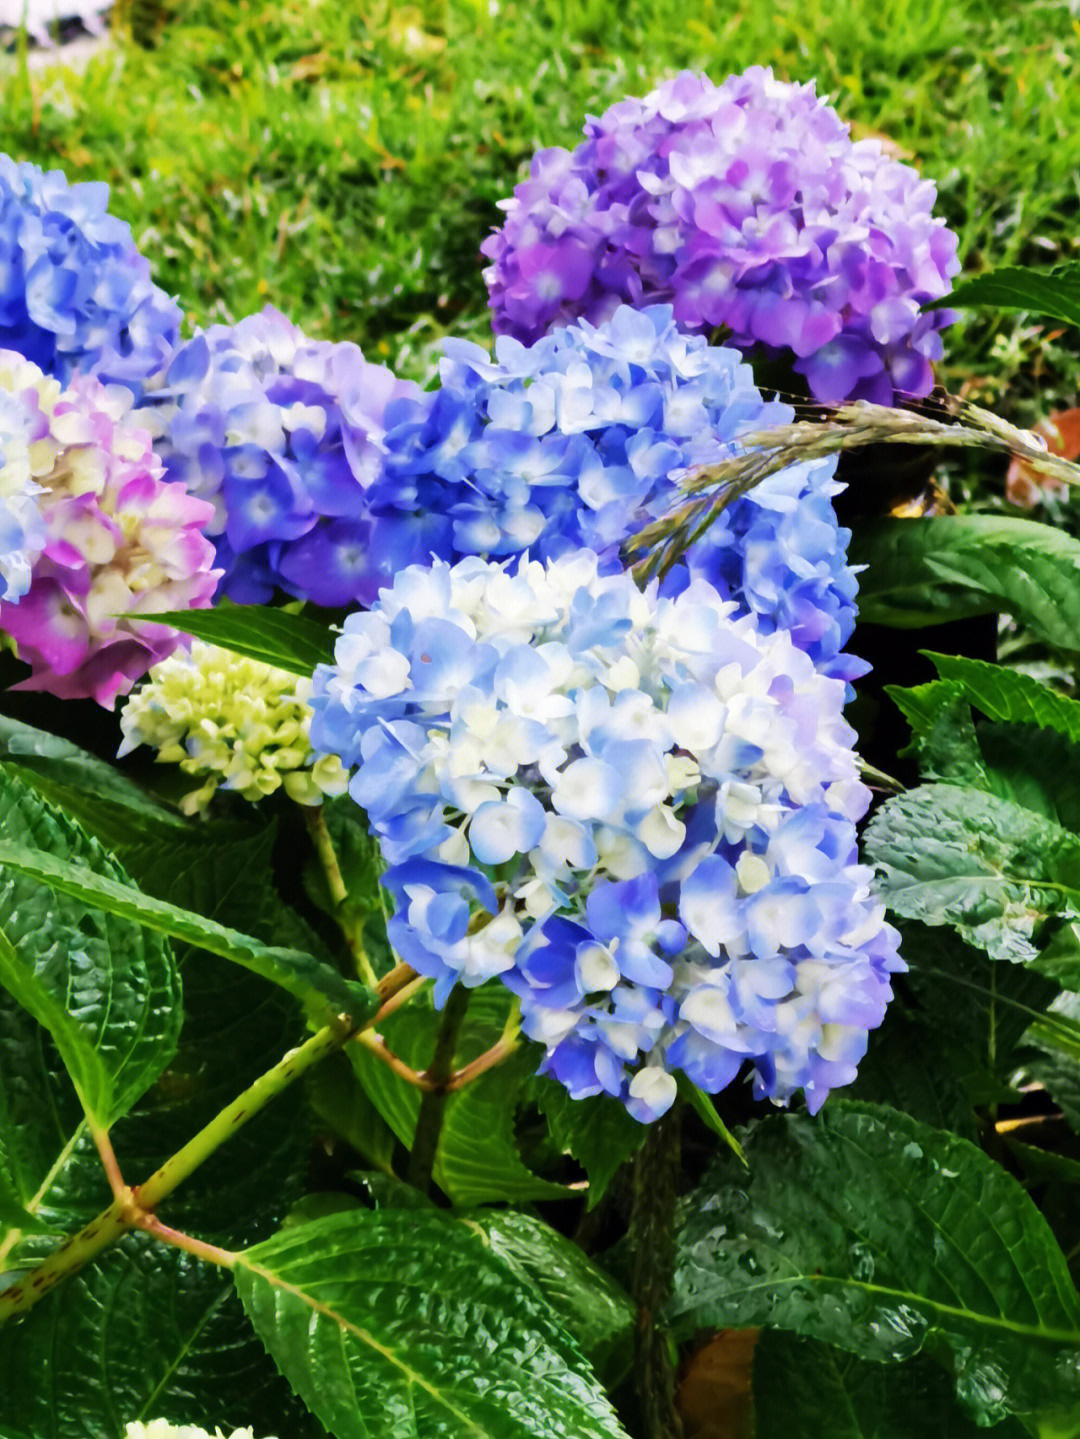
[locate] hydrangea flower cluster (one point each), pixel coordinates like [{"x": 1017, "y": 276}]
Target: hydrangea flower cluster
[
  {"x": 283, "y": 435},
  {"x": 746, "y": 205},
  {"x": 116, "y": 541},
  {"x": 579, "y": 439},
  {"x": 638, "y": 811},
  {"x": 75, "y": 294},
  {"x": 234, "y": 721}
]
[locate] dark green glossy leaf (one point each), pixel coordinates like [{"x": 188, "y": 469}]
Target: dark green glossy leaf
[
  {"x": 597, "y": 1132},
  {"x": 908, "y": 1066},
  {"x": 1053, "y": 293},
  {"x": 292, "y": 642},
  {"x": 589, "y": 1304},
  {"x": 882, "y": 1236},
  {"x": 107, "y": 992},
  {"x": 807, "y": 1390},
  {"x": 306, "y": 978},
  {"x": 408, "y": 1322},
  {"x": 993, "y": 870},
  {"x": 979, "y": 1010},
  {"x": 145, "y": 1332},
  {"x": 955, "y": 566}
]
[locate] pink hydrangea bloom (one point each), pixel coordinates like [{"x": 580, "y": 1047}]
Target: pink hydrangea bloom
[{"x": 121, "y": 542}]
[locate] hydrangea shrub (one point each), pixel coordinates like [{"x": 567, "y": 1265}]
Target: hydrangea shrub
[
  {"x": 749, "y": 208},
  {"x": 637, "y": 811}
]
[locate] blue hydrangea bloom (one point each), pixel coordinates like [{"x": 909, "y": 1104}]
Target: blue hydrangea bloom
[
  {"x": 284, "y": 436},
  {"x": 579, "y": 439},
  {"x": 75, "y": 294},
  {"x": 637, "y": 810}
]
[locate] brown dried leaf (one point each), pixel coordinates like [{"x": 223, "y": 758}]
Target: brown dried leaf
[{"x": 715, "y": 1394}]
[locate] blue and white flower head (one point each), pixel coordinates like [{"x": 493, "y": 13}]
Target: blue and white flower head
[
  {"x": 580, "y": 439},
  {"x": 284, "y": 436},
  {"x": 75, "y": 294},
  {"x": 638, "y": 811}
]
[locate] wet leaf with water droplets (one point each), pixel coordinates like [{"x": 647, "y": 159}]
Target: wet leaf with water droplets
[
  {"x": 877, "y": 1234},
  {"x": 410, "y": 1322}
]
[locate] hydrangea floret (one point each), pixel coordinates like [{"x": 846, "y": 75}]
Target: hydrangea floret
[
  {"x": 580, "y": 438},
  {"x": 119, "y": 542},
  {"x": 23, "y": 462},
  {"x": 638, "y": 811},
  {"x": 75, "y": 293},
  {"x": 748, "y": 206},
  {"x": 233, "y": 721},
  {"x": 283, "y": 435}
]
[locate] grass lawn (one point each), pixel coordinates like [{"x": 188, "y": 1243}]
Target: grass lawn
[{"x": 344, "y": 161}]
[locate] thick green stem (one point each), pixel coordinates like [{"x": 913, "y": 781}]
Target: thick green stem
[
  {"x": 68, "y": 1259},
  {"x": 257, "y": 1096},
  {"x": 438, "y": 1074},
  {"x": 652, "y": 1247},
  {"x": 351, "y": 928}
]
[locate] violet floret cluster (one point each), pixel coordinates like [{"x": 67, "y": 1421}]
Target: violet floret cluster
[
  {"x": 283, "y": 435},
  {"x": 638, "y": 811},
  {"x": 579, "y": 439},
  {"x": 747, "y": 206},
  {"x": 75, "y": 294},
  {"x": 113, "y": 540}
]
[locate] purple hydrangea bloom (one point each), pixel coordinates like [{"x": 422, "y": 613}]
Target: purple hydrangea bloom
[
  {"x": 75, "y": 294},
  {"x": 284, "y": 435},
  {"x": 745, "y": 205},
  {"x": 579, "y": 439},
  {"x": 637, "y": 811}
]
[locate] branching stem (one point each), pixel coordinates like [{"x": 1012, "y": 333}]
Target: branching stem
[{"x": 134, "y": 1208}]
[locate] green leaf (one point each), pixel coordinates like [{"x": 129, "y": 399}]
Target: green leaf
[
  {"x": 108, "y": 993},
  {"x": 705, "y": 1110},
  {"x": 1005, "y": 694},
  {"x": 991, "y": 869},
  {"x": 943, "y": 734},
  {"x": 1053, "y": 293},
  {"x": 807, "y": 1390},
  {"x": 342, "y": 1103},
  {"x": 408, "y": 1321},
  {"x": 296, "y": 643},
  {"x": 477, "y": 1160},
  {"x": 881, "y": 1236},
  {"x": 588, "y": 1303},
  {"x": 597, "y": 1132},
  {"x": 301, "y": 975},
  {"x": 145, "y": 1332},
  {"x": 978, "y": 1008},
  {"x": 907, "y": 1066},
  {"x": 953, "y": 566}
]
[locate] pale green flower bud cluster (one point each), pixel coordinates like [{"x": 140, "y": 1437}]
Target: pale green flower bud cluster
[
  {"x": 162, "y": 1429},
  {"x": 235, "y": 722}
]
